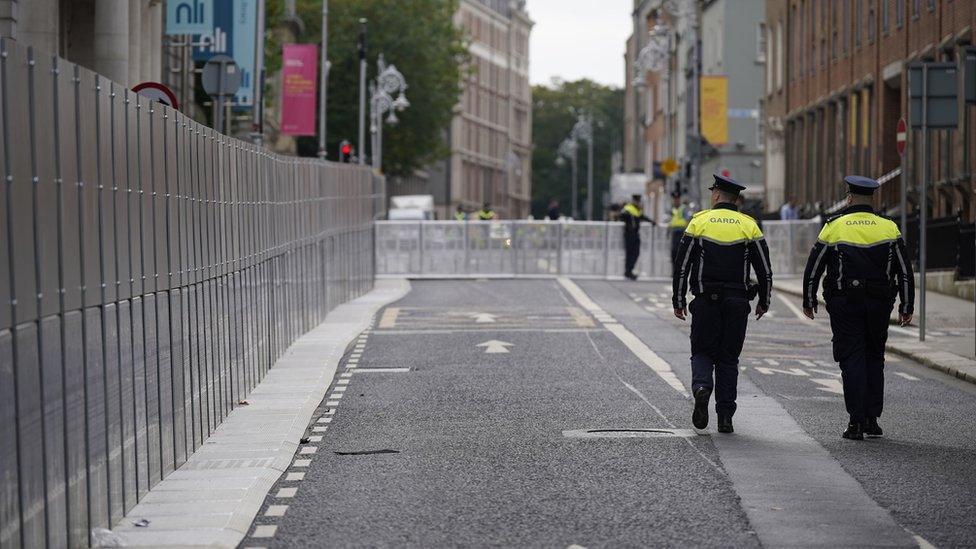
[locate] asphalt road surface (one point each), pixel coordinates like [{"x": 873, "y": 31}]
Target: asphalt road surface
[{"x": 555, "y": 413}]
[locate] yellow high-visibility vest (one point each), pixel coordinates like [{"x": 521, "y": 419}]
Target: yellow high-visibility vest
[
  {"x": 678, "y": 220},
  {"x": 633, "y": 210}
]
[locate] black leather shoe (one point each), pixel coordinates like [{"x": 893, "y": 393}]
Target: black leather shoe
[
  {"x": 872, "y": 429},
  {"x": 699, "y": 418},
  {"x": 631, "y": 276},
  {"x": 855, "y": 431},
  {"x": 725, "y": 424}
]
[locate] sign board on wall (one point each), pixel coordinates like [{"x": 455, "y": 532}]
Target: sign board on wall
[
  {"x": 233, "y": 32},
  {"x": 714, "y": 109},
  {"x": 189, "y": 16},
  {"x": 299, "y": 82}
]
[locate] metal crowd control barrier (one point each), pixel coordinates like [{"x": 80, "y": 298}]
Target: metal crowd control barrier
[
  {"x": 550, "y": 248},
  {"x": 152, "y": 271}
]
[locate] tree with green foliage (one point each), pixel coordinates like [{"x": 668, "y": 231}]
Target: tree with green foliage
[
  {"x": 552, "y": 120},
  {"x": 420, "y": 38}
]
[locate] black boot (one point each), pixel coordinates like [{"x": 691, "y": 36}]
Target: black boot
[
  {"x": 699, "y": 418},
  {"x": 725, "y": 424},
  {"x": 855, "y": 431},
  {"x": 872, "y": 429}
]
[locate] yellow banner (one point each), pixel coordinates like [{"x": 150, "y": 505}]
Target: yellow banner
[{"x": 715, "y": 109}]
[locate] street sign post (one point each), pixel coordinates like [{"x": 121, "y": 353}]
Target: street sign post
[
  {"x": 221, "y": 79},
  {"x": 932, "y": 104},
  {"x": 901, "y": 140},
  {"x": 157, "y": 92}
]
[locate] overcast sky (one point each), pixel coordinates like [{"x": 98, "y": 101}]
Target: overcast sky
[{"x": 575, "y": 39}]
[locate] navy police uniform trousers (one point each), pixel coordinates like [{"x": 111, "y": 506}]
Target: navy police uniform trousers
[
  {"x": 859, "y": 322},
  {"x": 718, "y": 330}
]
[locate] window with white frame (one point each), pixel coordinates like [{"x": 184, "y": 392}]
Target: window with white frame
[
  {"x": 761, "y": 42},
  {"x": 770, "y": 67},
  {"x": 761, "y": 127},
  {"x": 779, "y": 55}
]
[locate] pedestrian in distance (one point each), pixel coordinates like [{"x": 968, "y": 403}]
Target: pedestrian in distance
[
  {"x": 553, "y": 211},
  {"x": 716, "y": 257},
  {"x": 486, "y": 213},
  {"x": 459, "y": 214},
  {"x": 677, "y": 225},
  {"x": 861, "y": 257},
  {"x": 632, "y": 215},
  {"x": 787, "y": 211}
]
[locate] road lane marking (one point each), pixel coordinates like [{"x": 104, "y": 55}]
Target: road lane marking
[
  {"x": 791, "y": 372},
  {"x": 301, "y": 463},
  {"x": 772, "y": 362},
  {"x": 582, "y": 319},
  {"x": 631, "y": 341},
  {"x": 389, "y": 318},
  {"x": 382, "y": 370},
  {"x": 909, "y": 377},
  {"x": 286, "y": 492},
  {"x": 483, "y": 318},
  {"x": 291, "y": 477},
  {"x": 276, "y": 511},
  {"x": 494, "y": 346},
  {"x": 830, "y": 385},
  {"x": 264, "y": 531}
]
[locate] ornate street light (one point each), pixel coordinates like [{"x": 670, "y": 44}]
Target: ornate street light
[{"x": 389, "y": 82}]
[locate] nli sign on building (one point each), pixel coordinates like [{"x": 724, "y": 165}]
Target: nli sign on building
[{"x": 189, "y": 16}]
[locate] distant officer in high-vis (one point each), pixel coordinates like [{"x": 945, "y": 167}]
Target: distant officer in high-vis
[
  {"x": 677, "y": 225},
  {"x": 716, "y": 257},
  {"x": 863, "y": 256},
  {"x": 459, "y": 214},
  {"x": 632, "y": 215},
  {"x": 486, "y": 213}
]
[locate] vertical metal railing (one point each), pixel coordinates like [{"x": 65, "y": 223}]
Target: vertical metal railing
[
  {"x": 545, "y": 248},
  {"x": 152, "y": 271}
]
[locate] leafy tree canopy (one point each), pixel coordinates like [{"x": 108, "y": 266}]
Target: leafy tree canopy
[
  {"x": 420, "y": 38},
  {"x": 552, "y": 120}
]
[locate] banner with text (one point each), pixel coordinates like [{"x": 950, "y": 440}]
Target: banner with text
[
  {"x": 299, "y": 81},
  {"x": 715, "y": 109},
  {"x": 233, "y": 31}
]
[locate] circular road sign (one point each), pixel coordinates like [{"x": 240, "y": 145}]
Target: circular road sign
[
  {"x": 901, "y": 135},
  {"x": 157, "y": 92},
  {"x": 669, "y": 166},
  {"x": 221, "y": 76}
]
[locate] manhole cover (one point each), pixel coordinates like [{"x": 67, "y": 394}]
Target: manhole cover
[{"x": 630, "y": 433}]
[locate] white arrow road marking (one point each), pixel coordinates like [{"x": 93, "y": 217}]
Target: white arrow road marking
[
  {"x": 830, "y": 385},
  {"x": 494, "y": 346},
  {"x": 791, "y": 372},
  {"x": 482, "y": 318}
]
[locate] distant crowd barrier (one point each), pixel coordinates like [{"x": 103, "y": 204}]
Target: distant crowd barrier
[
  {"x": 152, "y": 271},
  {"x": 585, "y": 249}
]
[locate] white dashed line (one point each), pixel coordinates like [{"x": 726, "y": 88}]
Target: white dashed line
[
  {"x": 332, "y": 403},
  {"x": 286, "y": 492},
  {"x": 291, "y": 477},
  {"x": 909, "y": 377},
  {"x": 319, "y": 429},
  {"x": 301, "y": 463},
  {"x": 276, "y": 511},
  {"x": 264, "y": 531},
  {"x": 315, "y": 438},
  {"x": 308, "y": 450},
  {"x": 325, "y": 420}
]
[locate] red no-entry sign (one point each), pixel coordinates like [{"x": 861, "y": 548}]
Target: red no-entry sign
[{"x": 901, "y": 135}]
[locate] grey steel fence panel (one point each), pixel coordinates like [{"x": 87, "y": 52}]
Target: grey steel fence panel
[
  {"x": 165, "y": 383},
  {"x": 789, "y": 244},
  {"x": 113, "y": 418},
  {"x": 144, "y": 181},
  {"x": 29, "y": 444},
  {"x": 157, "y": 185},
  {"x": 74, "y": 428},
  {"x": 120, "y": 192},
  {"x": 151, "y": 358},
  {"x": 54, "y": 435},
  {"x": 41, "y": 91},
  {"x": 127, "y": 406},
  {"x": 87, "y": 160},
  {"x": 5, "y": 302},
  {"x": 139, "y": 400},
  {"x": 66, "y": 126},
  {"x": 9, "y": 451},
  {"x": 95, "y": 417},
  {"x": 19, "y": 188},
  {"x": 105, "y": 182}
]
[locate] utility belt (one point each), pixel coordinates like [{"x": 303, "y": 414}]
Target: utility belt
[
  {"x": 718, "y": 292},
  {"x": 865, "y": 288}
]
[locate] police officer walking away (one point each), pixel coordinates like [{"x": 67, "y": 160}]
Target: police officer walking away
[
  {"x": 677, "y": 225},
  {"x": 716, "y": 255},
  {"x": 486, "y": 213},
  {"x": 863, "y": 256},
  {"x": 632, "y": 215}
]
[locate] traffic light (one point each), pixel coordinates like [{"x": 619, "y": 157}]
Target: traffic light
[{"x": 345, "y": 150}]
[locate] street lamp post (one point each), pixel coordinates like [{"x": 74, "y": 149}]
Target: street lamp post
[
  {"x": 568, "y": 149},
  {"x": 583, "y": 130},
  {"x": 389, "y": 81},
  {"x": 362, "y": 91},
  {"x": 324, "y": 78}
]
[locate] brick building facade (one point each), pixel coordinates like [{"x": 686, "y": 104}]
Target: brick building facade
[{"x": 839, "y": 92}]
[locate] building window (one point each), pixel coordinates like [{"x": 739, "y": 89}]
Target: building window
[
  {"x": 761, "y": 42},
  {"x": 885, "y": 13},
  {"x": 899, "y": 13},
  {"x": 779, "y": 56},
  {"x": 931, "y": 5},
  {"x": 771, "y": 66},
  {"x": 916, "y": 8},
  {"x": 834, "y": 38},
  {"x": 761, "y": 127},
  {"x": 845, "y": 24},
  {"x": 858, "y": 22},
  {"x": 872, "y": 22}
]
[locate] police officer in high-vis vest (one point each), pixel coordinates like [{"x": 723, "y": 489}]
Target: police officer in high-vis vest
[
  {"x": 486, "y": 213},
  {"x": 716, "y": 256},
  {"x": 632, "y": 215},
  {"x": 677, "y": 225},
  {"x": 861, "y": 257}
]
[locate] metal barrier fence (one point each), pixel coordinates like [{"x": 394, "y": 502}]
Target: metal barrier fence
[
  {"x": 546, "y": 248},
  {"x": 152, "y": 271}
]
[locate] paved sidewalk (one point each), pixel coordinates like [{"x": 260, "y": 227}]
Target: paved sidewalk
[
  {"x": 213, "y": 498},
  {"x": 950, "y": 343}
]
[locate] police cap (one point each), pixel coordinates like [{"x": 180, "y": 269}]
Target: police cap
[
  {"x": 726, "y": 184},
  {"x": 858, "y": 184}
]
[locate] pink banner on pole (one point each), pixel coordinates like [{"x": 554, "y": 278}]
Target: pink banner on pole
[{"x": 299, "y": 83}]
